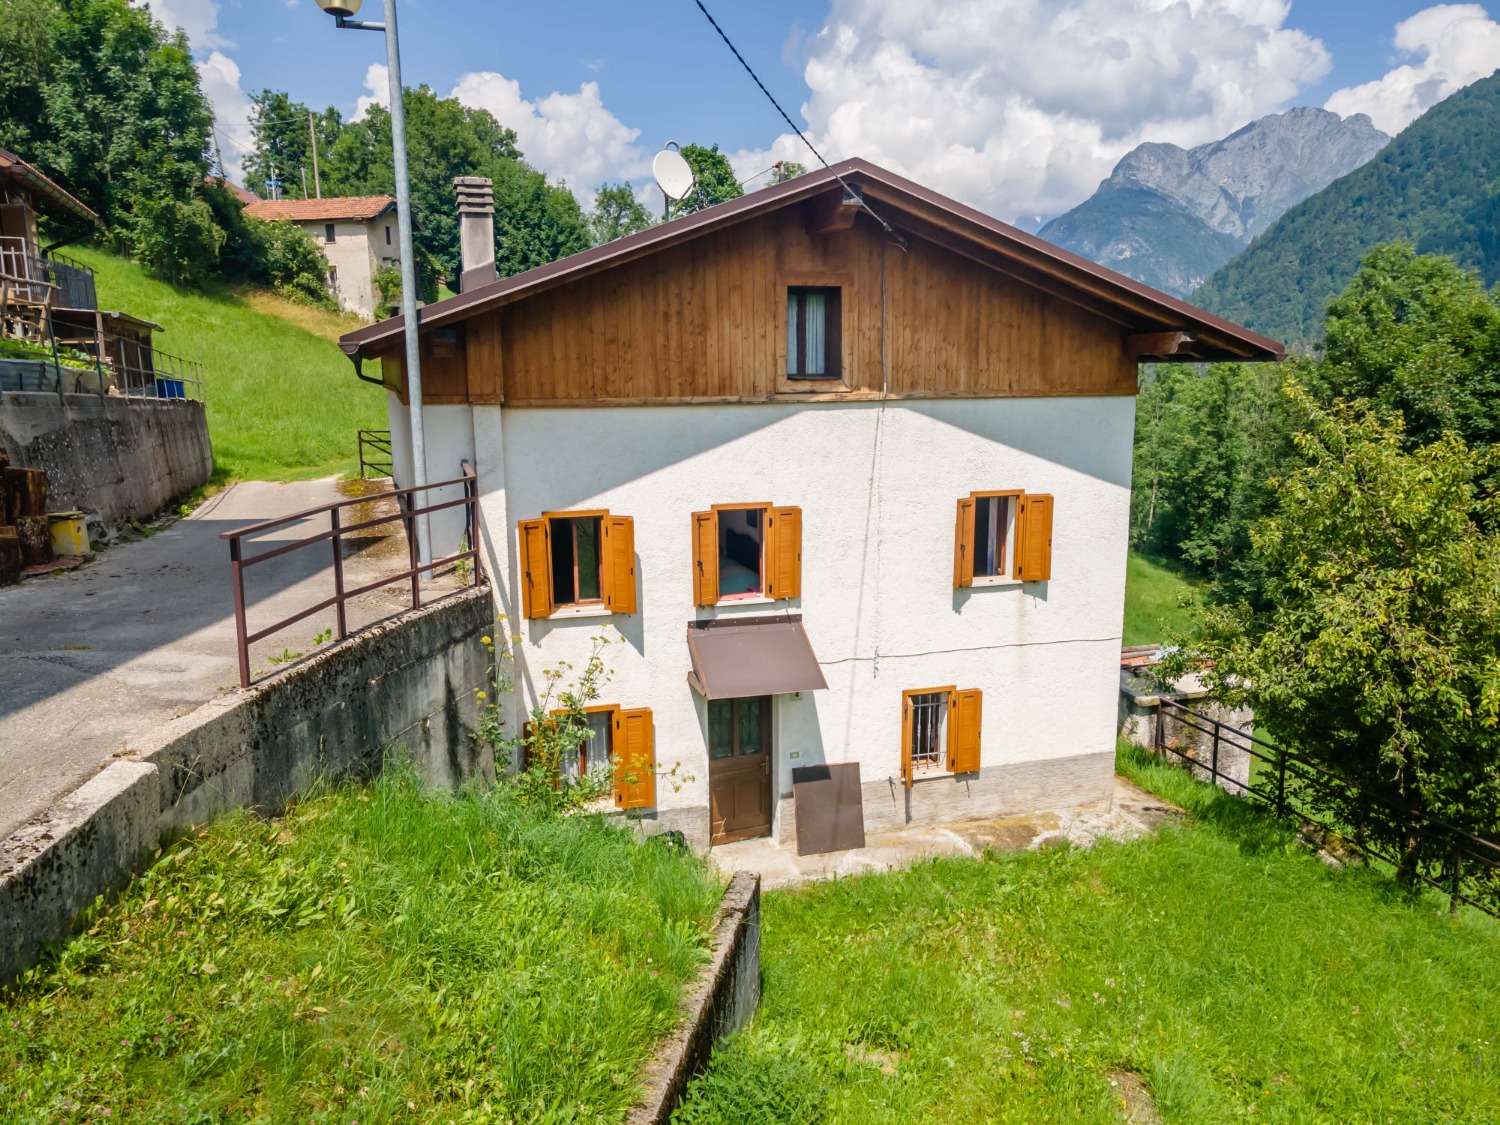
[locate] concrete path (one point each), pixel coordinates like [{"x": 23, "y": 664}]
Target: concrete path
[
  {"x": 1130, "y": 812},
  {"x": 93, "y": 658}
]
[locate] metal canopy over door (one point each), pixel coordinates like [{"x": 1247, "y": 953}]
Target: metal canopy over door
[{"x": 739, "y": 768}]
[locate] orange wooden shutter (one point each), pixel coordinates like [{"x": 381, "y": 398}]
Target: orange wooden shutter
[
  {"x": 1034, "y": 553},
  {"x": 963, "y": 544},
  {"x": 705, "y": 558},
  {"x": 526, "y": 755},
  {"x": 635, "y": 760},
  {"x": 619, "y": 564},
  {"x": 906, "y": 738},
  {"x": 784, "y": 553},
  {"x": 536, "y": 569},
  {"x": 963, "y": 731}
]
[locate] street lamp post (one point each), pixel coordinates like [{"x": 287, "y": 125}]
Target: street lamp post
[{"x": 343, "y": 12}]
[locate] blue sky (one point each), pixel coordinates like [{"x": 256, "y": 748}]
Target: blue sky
[{"x": 1017, "y": 106}]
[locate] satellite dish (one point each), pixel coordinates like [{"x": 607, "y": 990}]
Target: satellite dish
[{"x": 673, "y": 174}]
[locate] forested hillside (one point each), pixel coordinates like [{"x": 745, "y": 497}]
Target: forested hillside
[{"x": 1437, "y": 185}]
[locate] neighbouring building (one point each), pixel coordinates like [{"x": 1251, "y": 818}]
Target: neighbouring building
[
  {"x": 357, "y": 234},
  {"x": 845, "y": 468}
]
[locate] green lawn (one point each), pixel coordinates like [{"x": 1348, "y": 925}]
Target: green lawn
[
  {"x": 1217, "y": 963},
  {"x": 283, "y": 401},
  {"x": 377, "y": 955},
  {"x": 1152, "y": 601}
]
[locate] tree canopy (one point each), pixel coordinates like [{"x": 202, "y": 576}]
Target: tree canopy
[
  {"x": 617, "y": 213},
  {"x": 716, "y": 181}
]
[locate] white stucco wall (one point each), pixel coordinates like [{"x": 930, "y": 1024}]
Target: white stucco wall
[
  {"x": 357, "y": 251},
  {"x": 877, "y": 487}
]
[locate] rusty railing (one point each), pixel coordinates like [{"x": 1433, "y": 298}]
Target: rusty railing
[
  {"x": 407, "y": 515},
  {"x": 375, "y": 453}
]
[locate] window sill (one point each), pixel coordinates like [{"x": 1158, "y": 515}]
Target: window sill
[
  {"x": 580, "y": 611},
  {"x": 998, "y": 580},
  {"x": 728, "y": 602}
]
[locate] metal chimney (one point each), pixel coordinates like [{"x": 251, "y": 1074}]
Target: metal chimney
[{"x": 476, "y": 231}]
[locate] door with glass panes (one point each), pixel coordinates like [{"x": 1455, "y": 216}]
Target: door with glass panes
[{"x": 739, "y": 768}]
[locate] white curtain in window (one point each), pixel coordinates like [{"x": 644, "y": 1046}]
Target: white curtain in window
[
  {"x": 792, "y": 301},
  {"x": 813, "y": 355}
]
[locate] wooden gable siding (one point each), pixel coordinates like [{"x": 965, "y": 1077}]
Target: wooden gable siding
[{"x": 707, "y": 322}]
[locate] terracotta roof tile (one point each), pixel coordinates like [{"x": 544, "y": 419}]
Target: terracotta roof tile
[{"x": 352, "y": 208}]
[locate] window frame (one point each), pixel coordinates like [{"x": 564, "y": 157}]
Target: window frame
[
  {"x": 835, "y": 380},
  {"x": 1006, "y": 576},
  {"x": 909, "y": 770},
  {"x": 760, "y": 593},
  {"x": 601, "y": 601},
  {"x": 330, "y": 233},
  {"x": 610, "y": 709}
]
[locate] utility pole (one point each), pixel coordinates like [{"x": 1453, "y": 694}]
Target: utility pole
[
  {"x": 304, "y": 182},
  {"x": 218, "y": 156},
  {"x": 317, "y": 177}
]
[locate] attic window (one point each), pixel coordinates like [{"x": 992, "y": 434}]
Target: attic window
[
  {"x": 327, "y": 232},
  {"x": 444, "y": 342},
  {"x": 814, "y": 332}
]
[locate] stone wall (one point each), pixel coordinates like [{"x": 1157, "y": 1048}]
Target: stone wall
[
  {"x": 406, "y": 686},
  {"x": 116, "y": 458}
]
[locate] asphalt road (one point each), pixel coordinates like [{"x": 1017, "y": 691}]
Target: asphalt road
[{"x": 94, "y": 658}]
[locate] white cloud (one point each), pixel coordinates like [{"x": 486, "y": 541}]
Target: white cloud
[
  {"x": 378, "y": 82},
  {"x": 1457, "y": 43},
  {"x": 218, "y": 73},
  {"x": 220, "y": 76},
  {"x": 1023, "y": 106},
  {"x": 198, "y": 19},
  {"x": 570, "y": 137}
]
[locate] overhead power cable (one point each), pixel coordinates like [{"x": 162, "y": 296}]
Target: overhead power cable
[{"x": 849, "y": 191}]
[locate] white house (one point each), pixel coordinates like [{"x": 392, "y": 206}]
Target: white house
[
  {"x": 843, "y": 464},
  {"x": 357, "y": 234}
]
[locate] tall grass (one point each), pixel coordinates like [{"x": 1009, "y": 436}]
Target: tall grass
[
  {"x": 379, "y": 954},
  {"x": 1237, "y": 975},
  {"x": 1154, "y": 601},
  {"x": 283, "y": 401}
]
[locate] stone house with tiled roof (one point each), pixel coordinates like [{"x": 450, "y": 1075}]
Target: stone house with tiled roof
[{"x": 358, "y": 236}]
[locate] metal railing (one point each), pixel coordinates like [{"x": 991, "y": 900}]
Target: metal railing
[
  {"x": 407, "y": 515},
  {"x": 145, "y": 372},
  {"x": 1461, "y": 865},
  {"x": 375, "y": 453},
  {"x": 75, "y": 283}
]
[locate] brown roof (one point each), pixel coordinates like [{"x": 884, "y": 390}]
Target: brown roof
[
  {"x": 349, "y": 208},
  {"x": 12, "y": 167},
  {"x": 245, "y": 197},
  {"x": 912, "y": 210}
]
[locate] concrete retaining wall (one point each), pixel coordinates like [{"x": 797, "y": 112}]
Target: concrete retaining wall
[
  {"x": 721, "y": 1001},
  {"x": 407, "y": 685},
  {"x": 117, "y": 458}
]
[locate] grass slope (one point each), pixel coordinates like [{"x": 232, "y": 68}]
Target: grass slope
[
  {"x": 1153, "y": 601},
  {"x": 283, "y": 402},
  {"x": 377, "y": 955},
  {"x": 1434, "y": 185},
  {"x": 1217, "y": 962}
]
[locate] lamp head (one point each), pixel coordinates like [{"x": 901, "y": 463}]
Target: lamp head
[{"x": 340, "y": 9}]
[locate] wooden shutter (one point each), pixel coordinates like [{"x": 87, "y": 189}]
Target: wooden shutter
[
  {"x": 635, "y": 760},
  {"x": 963, "y": 731},
  {"x": 1034, "y": 550},
  {"x": 784, "y": 553},
  {"x": 963, "y": 544},
  {"x": 906, "y": 770},
  {"x": 705, "y": 558},
  {"x": 619, "y": 564},
  {"x": 536, "y": 569}
]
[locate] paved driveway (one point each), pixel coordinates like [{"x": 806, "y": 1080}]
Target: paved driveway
[{"x": 94, "y": 658}]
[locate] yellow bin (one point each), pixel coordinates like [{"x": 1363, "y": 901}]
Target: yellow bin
[{"x": 70, "y": 533}]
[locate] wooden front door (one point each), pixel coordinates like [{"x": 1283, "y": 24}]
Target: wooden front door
[{"x": 739, "y": 768}]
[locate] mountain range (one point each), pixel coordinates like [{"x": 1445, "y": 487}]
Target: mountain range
[
  {"x": 1171, "y": 216},
  {"x": 1437, "y": 186}
]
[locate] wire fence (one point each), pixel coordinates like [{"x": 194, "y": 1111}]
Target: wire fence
[
  {"x": 1461, "y": 865},
  {"x": 375, "y": 458}
]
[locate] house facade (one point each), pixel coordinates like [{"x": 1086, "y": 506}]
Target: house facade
[
  {"x": 841, "y": 469},
  {"x": 357, "y": 235}
]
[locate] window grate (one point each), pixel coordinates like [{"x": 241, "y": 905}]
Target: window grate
[{"x": 929, "y": 727}]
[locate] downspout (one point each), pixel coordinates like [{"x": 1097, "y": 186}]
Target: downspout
[{"x": 356, "y": 357}]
